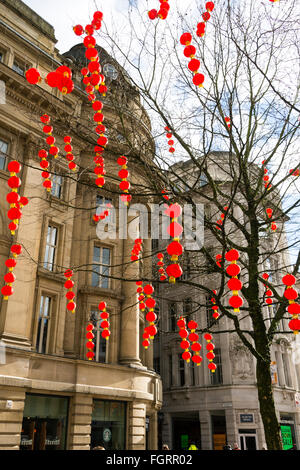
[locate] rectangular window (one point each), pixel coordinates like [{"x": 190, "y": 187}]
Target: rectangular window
[
  {"x": 108, "y": 427},
  {"x": 172, "y": 317},
  {"x": 192, "y": 373},
  {"x": 170, "y": 370},
  {"x": 101, "y": 267},
  {"x": 102, "y": 204},
  {"x": 156, "y": 364},
  {"x": 217, "y": 376},
  {"x": 3, "y": 154},
  {"x": 181, "y": 371},
  {"x": 57, "y": 188},
  {"x": 286, "y": 370},
  {"x": 51, "y": 247},
  {"x": 43, "y": 325},
  {"x": 1, "y": 56},
  {"x": 209, "y": 312},
  {"x": 187, "y": 310},
  {"x": 100, "y": 343},
  {"x": 19, "y": 67}
]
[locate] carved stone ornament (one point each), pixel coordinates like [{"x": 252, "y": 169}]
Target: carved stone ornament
[{"x": 241, "y": 359}]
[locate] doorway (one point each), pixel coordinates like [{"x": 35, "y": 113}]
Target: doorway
[
  {"x": 248, "y": 439},
  {"x": 185, "y": 432}
]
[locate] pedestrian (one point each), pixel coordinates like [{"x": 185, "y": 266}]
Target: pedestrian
[
  {"x": 193, "y": 446},
  {"x": 235, "y": 446},
  {"x": 98, "y": 448},
  {"x": 227, "y": 446},
  {"x": 165, "y": 447}
]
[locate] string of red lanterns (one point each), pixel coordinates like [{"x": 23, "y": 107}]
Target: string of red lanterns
[
  {"x": 124, "y": 184},
  {"x": 9, "y": 278},
  {"x": 221, "y": 220},
  {"x": 294, "y": 172},
  {"x": 268, "y": 292},
  {"x": 194, "y": 64},
  {"x": 161, "y": 270},
  {"x": 69, "y": 153},
  {"x": 94, "y": 80},
  {"x": 174, "y": 249},
  {"x": 291, "y": 295},
  {"x": 228, "y": 121},
  {"x": 60, "y": 79},
  {"x": 14, "y": 214},
  {"x": 215, "y": 307},
  {"x": 269, "y": 213},
  {"x": 50, "y": 140},
  {"x": 195, "y": 345},
  {"x": 135, "y": 253},
  {"x": 151, "y": 330},
  {"x": 70, "y": 295},
  {"x": 266, "y": 177},
  {"x": 234, "y": 284},
  {"x": 210, "y": 354},
  {"x": 169, "y": 136},
  {"x": 105, "y": 325},
  {"x": 205, "y": 16},
  {"x": 90, "y": 344},
  {"x": 162, "y": 13},
  {"x": 185, "y": 344}
]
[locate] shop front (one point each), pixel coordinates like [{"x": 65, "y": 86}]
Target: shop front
[
  {"x": 45, "y": 422},
  {"x": 109, "y": 425},
  {"x": 287, "y": 428}
]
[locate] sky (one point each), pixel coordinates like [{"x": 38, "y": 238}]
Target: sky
[{"x": 64, "y": 14}]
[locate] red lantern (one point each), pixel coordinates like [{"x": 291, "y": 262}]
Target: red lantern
[
  {"x": 152, "y": 14},
  {"x": 174, "y": 271},
  {"x": 198, "y": 79},
  {"x": 200, "y": 29},
  {"x": 189, "y": 51},
  {"x": 210, "y": 6},
  {"x": 289, "y": 280},
  {"x": 186, "y": 39},
  {"x": 294, "y": 309},
  {"x": 194, "y": 65},
  {"x": 212, "y": 367},
  {"x": 206, "y": 16},
  {"x": 290, "y": 293},
  {"x": 232, "y": 255},
  {"x": 233, "y": 270},
  {"x": 186, "y": 356},
  {"x": 236, "y": 302},
  {"x": 78, "y": 30},
  {"x": 234, "y": 284},
  {"x": 14, "y": 167},
  {"x": 33, "y": 76},
  {"x": 7, "y": 291}
]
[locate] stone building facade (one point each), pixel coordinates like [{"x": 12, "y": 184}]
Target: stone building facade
[
  {"x": 207, "y": 408},
  {"x": 51, "y": 396}
]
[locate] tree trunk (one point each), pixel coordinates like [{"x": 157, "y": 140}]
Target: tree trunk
[{"x": 267, "y": 406}]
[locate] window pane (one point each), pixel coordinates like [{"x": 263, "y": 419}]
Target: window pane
[
  {"x": 96, "y": 254},
  {"x": 106, "y": 256},
  {"x": 43, "y": 324},
  {"x": 57, "y": 186},
  {"x": 19, "y": 68},
  {"x": 95, "y": 275},
  {"x": 3, "y": 154}
]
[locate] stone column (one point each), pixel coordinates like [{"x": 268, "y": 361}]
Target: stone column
[
  {"x": 136, "y": 426},
  {"x": 206, "y": 430},
  {"x": 129, "y": 344},
  {"x": 80, "y": 422},
  {"x": 167, "y": 435},
  {"x": 11, "y": 418},
  {"x": 231, "y": 426},
  {"x": 153, "y": 438}
]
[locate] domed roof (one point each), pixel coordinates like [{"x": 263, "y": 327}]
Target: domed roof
[{"x": 111, "y": 68}]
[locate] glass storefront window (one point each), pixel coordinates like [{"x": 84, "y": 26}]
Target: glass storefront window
[
  {"x": 108, "y": 425},
  {"x": 44, "y": 423}
]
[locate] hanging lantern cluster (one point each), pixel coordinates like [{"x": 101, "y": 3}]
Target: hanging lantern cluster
[
  {"x": 103, "y": 215},
  {"x": 291, "y": 295},
  {"x": 15, "y": 202},
  {"x": 185, "y": 344},
  {"x": 90, "y": 345},
  {"x": 124, "y": 184},
  {"x": 164, "y": 195},
  {"x": 269, "y": 213},
  {"x": 169, "y": 136},
  {"x": 210, "y": 352},
  {"x": 162, "y": 13},
  {"x": 218, "y": 260},
  {"x": 161, "y": 270},
  {"x": 295, "y": 172},
  {"x": 174, "y": 249},
  {"x": 95, "y": 81},
  {"x": 60, "y": 79},
  {"x": 266, "y": 177},
  {"x": 220, "y": 222},
  {"x": 194, "y": 64},
  {"x": 69, "y": 153},
  {"x": 228, "y": 121},
  {"x": 135, "y": 253},
  {"x": 104, "y": 315},
  {"x": 268, "y": 292},
  {"x": 205, "y": 16},
  {"x": 194, "y": 340},
  {"x": 149, "y": 331},
  {"x": 234, "y": 284},
  {"x": 70, "y": 295},
  {"x": 141, "y": 298},
  {"x": 44, "y": 164},
  {"x": 214, "y": 307},
  {"x": 9, "y": 278},
  {"x": 50, "y": 140}
]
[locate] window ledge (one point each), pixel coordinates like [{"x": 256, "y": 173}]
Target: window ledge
[
  {"x": 100, "y": 291},
  {"x": 53, "y": 276}
]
